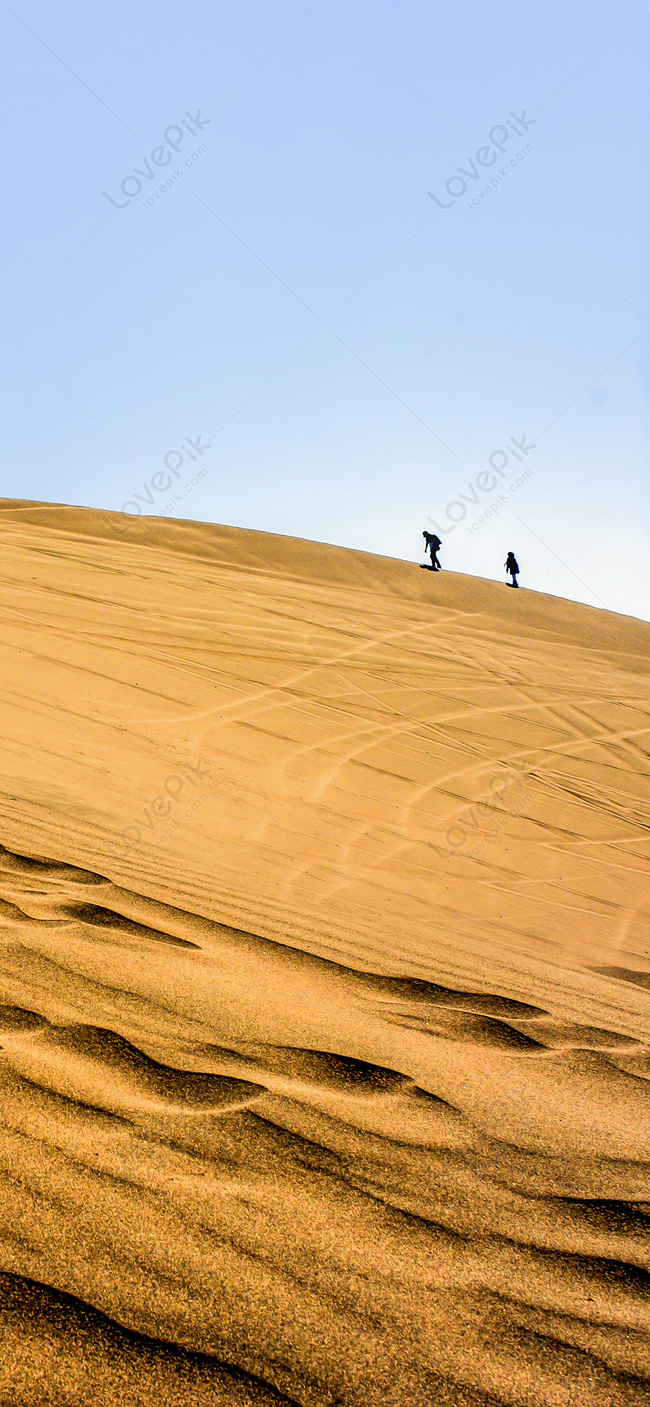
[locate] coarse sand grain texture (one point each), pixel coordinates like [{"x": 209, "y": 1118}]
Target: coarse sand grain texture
[{"x": 324, "y": 978}]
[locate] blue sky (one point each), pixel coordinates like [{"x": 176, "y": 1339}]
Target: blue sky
[{"x": 290, "y": 278}]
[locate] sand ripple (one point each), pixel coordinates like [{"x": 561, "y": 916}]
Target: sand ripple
[{"x": 189, "y": 1207}]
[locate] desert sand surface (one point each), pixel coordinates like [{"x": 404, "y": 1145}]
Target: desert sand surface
[{"x": 325, "y": 978}]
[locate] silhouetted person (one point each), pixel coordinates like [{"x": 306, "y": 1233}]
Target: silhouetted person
[
  {"x": 432, "y": 544},
  {"x": 512, "y": 566}
]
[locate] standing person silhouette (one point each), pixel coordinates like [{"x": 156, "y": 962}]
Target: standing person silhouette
[
  {"x": 512, "y": 566},
  {"x": 432, "y": 544}
]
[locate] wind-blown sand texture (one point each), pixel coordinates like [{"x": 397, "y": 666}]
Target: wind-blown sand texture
[{"x": 325, "y": 978}]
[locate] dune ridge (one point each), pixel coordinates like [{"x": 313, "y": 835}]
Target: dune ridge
[{"x": 332, "y": 1087}]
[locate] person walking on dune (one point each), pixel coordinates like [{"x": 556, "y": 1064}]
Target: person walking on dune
[
  {"x": 432, "y": 544},
  {"x": 512, "y": 566}
]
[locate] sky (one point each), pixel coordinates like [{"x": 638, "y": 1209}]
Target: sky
[{"x": 338, "y": 272}]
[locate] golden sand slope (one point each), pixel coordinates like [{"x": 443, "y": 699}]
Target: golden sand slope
[{"x": 324, "y": 978}]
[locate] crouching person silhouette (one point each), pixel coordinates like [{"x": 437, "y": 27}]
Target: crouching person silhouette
[
  {"x": 432, "y": 544},
  {"x": 512, "y": 567}
]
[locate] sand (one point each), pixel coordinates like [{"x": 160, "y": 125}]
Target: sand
[{"x": 324, "y": 978}]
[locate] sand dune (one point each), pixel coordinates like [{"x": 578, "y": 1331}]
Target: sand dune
[{"x": 324, "y": 978}]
